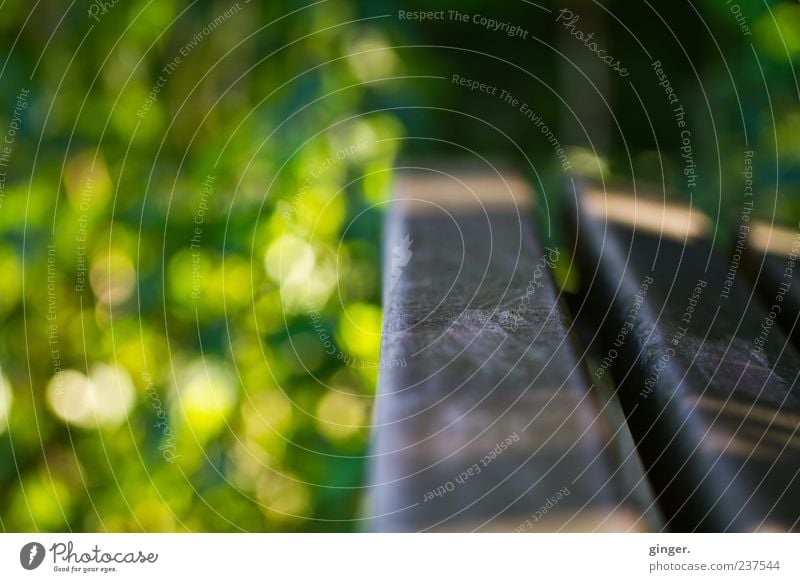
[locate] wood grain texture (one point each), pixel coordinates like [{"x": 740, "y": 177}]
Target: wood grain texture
[
  {"x": 712, "y": 403},
  {"x": 488, "y": 361}
]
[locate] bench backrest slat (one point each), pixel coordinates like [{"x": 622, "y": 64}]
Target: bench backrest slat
[{"x": 484, "y": 418}]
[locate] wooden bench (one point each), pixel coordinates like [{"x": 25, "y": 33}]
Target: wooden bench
[
  {"x": 491, "y": 415},
  {"x": 713, "y": 405}
]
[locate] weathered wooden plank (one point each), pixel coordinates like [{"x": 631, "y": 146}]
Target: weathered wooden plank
[
  {"x": 713, "y": 405},
  {"x": 488, "y": 424}
]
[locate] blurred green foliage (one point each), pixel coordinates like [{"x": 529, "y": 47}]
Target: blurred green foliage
[
  {"x": 189, "y": 226},
  {"x": 172, "y": 218}
]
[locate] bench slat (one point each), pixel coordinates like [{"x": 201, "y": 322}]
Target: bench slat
[
  {"x": 771, "y": 261},
  {"x": 483, "y": 418}
]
